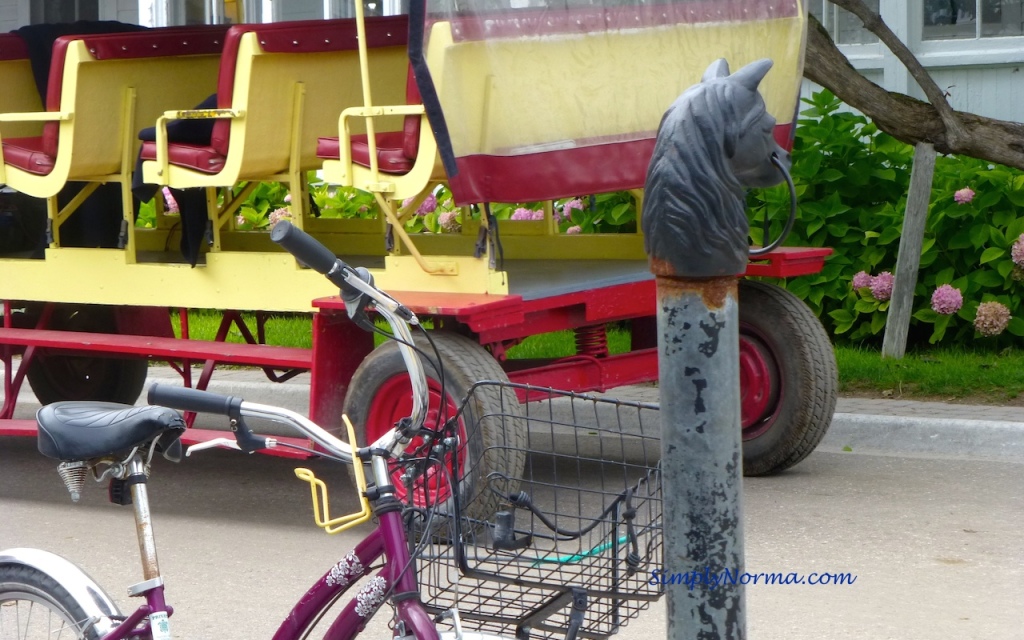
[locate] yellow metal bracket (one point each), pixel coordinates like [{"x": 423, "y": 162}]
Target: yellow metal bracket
[
  {"x": 162, "y": 143},
  {"x": 321, "y": 510}
]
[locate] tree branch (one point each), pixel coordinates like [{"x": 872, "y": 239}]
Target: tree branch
[
  {"x": 874, "y": 23},
  {"x": 905, "y": 118}
]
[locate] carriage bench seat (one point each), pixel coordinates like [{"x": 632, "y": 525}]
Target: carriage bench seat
[
  {"x": 396, "y": 150},
  {"x": 280, "y": 86},
  {"x": 99, "y": 87}
]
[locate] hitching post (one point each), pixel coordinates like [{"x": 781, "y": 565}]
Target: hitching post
[{"x": 714, "y": 142}]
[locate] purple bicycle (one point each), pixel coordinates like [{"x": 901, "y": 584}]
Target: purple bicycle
[{"x": 449, "y": 557}]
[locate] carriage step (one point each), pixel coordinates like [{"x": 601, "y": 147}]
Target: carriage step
[{"x": 260, "y": 355}]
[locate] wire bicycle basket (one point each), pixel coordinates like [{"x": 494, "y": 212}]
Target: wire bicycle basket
[{"x": 582, "y": 520}]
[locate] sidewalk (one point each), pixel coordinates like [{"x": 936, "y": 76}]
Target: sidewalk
[{"x": 860, "y": 425}]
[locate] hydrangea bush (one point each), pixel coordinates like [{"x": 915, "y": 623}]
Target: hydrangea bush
[{"x": 852, "y": 182}]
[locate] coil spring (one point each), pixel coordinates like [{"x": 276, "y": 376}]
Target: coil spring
[
  {"x": 73, "y": 474},
  {"x": 592, "y": 341}
]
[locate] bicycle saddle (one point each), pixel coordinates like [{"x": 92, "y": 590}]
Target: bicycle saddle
[{"x": 73, "y": 431}]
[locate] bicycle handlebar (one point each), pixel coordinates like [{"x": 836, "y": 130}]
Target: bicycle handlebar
[
  {"x": 308, "y": 250},
  {"x": 186, "y": 399}
]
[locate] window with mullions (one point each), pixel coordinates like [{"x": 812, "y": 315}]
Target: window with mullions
[
  {"x": 843, "y": 26},
  {"x": 64, "y": 11},
  {"x": 959, "y": 19}
]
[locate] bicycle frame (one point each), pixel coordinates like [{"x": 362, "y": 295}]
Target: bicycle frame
[{"x": 387, "y": 540}]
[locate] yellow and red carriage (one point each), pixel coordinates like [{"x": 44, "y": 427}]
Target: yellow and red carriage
[{"x": 499, "y": 104}]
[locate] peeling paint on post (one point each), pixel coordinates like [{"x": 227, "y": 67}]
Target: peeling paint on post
[
  {"x": 713, "y": 143},
  {"x": 702, "y": 471}
]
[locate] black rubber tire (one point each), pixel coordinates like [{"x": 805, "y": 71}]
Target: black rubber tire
[
  {"x": 56, "y": 376},
  {"x": 23, "y": 587},
  {"x": 804, "y": 366},
  {"x": 496, "y": 431}
]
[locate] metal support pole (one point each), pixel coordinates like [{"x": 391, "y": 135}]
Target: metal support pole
[
  {"x": 714, "y": 142},
  {"x": 701, "y": 461}
]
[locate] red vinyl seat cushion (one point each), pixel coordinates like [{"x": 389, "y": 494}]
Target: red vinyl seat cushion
[
  {"x": 28, "y": 154},
  {"x": 192, "y": 156},
  {"x": 391, "y": 156}
]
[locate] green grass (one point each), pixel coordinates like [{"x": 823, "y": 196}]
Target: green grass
[
  {"x": 292, "y": 330},
  {"x": 945, "y": 374},
  {"x": 295, "y": 330},
  {"x": 938, "y": 374}
]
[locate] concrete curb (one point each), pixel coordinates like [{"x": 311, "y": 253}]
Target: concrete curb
[{"x": 902, "y": 435}]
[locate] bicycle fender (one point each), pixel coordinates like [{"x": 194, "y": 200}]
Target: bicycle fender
[{"x": 90, "y": 596}]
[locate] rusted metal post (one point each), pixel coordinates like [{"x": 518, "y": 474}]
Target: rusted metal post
[{"x": 714, "y": 142}]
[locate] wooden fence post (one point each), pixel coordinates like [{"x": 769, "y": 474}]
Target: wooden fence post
[{"x": 901, "y": 304}]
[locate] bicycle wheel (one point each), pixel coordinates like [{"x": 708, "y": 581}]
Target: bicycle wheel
[
  {"x": 492, "y": 430},
  {"x": 33, "y": 606}
]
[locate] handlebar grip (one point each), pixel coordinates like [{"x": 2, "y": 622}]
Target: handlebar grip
[
  {"x": 185, "y": 399},
  {"x": 303, "y": 246}
]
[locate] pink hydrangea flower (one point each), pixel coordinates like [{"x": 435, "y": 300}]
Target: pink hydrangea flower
[
  {"x": 170, "y": 204},
  {"x": 1017, "y": 251},
  {"x": 881, "y": 286},
  {"x": 862, "y": 279},
  {"x": 538, "y": 215},
  {"x": 992, "y": 318},
  {"x": 449, "y": 221},
  {"x": 574, "y": 229},
  {"x": 288, "y": 198},
  {"x": 963, "y": 196},
  {"x": 240, "y": 220},
  {"x": 429, "y": 205},
  {"x": 277, "y": 215},
  {"x": 522, "y": 213},
  {"x": 947, "y": 300},
  {"x": 567, "y": 208}
]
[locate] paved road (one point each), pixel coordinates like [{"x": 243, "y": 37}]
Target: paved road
[{"x": 936, "y": 544}]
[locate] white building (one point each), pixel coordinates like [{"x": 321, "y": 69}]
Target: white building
[{"x": 974, "y": 49}]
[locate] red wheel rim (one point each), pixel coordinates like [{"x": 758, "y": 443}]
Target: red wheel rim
[
  {"x": 391, "y": 403},
  {"x": 760, "y": 385}
]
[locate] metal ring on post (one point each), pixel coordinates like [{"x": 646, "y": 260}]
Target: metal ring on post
[{"x": 792, "y": 212}]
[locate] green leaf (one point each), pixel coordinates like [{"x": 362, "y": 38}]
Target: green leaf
[
  {"x": 877, "y": 323},
  {"x": 927, "y": 315},
  {"x": 1002, "y": 217},
  {"x": 866, "y": 306},
  {"x": 1016, "y": 326},
  {"x": 940, "y": 329},
  {"x": 944, "y": 277},
  {"x": 842, "y": 316},
  {"x": 992, "y": 253},
  {"x": 839, "y": 229},
  {"x": 961, "y": 240},
  {"x": 998, "y": 237},
  {"x": 889, "y": 234},
  {"x": 987, "y": 278},
  {"x": 1015, "y": 228},
  {"x": 1005, "y": 267},
  {"x": 979, "y": 234}
]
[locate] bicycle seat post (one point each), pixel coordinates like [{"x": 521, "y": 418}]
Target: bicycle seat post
[{"x": 136, "y": 479}]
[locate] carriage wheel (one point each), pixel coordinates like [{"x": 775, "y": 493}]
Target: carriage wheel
[
  {"x": 56, "y": 376},
  {"x": 788, "y": 378},
  {"x": 492, "y": 436}
]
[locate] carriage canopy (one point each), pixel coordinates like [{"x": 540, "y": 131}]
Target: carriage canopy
[{"x": 541, "y": 99}]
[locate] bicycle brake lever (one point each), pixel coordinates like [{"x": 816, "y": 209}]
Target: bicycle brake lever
[{"x": 222, "y": 443}]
